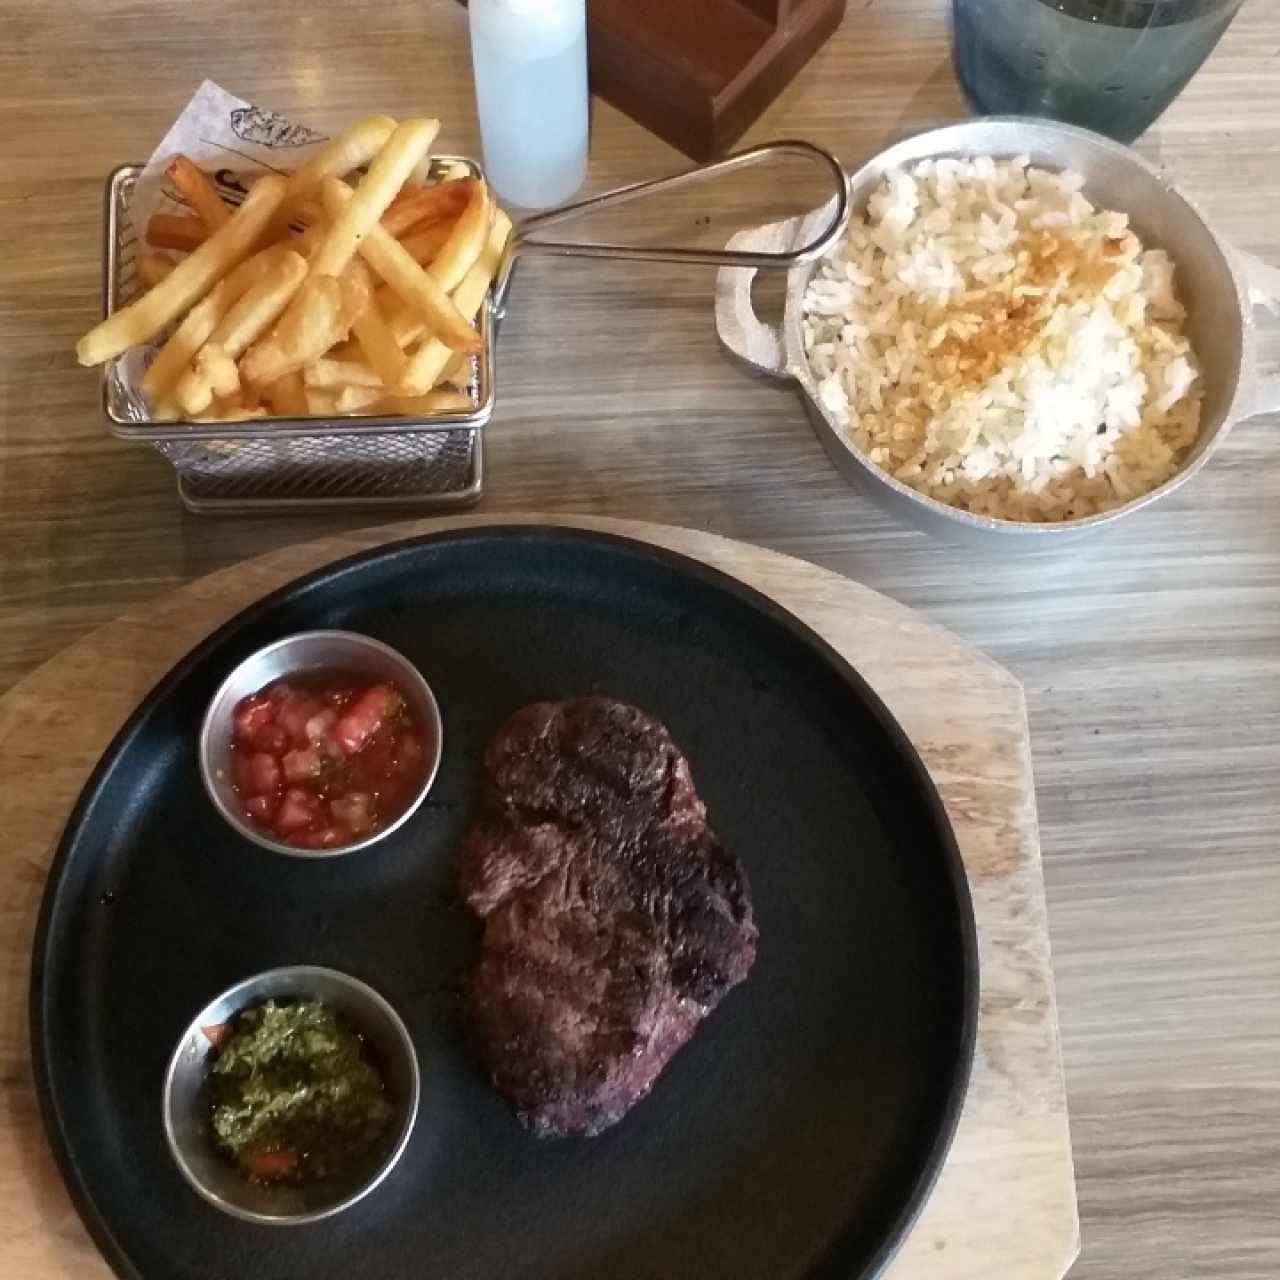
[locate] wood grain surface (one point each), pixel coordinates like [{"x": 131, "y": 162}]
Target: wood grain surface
[
  {"x": 1149, "y": 657},
  {"x": 1005, "y": 1202}
]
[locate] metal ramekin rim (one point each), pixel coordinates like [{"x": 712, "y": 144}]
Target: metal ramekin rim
[{"x": 246, "y": 829}]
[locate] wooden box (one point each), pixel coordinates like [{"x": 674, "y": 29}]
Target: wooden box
[{"x": 699, "y": 72}]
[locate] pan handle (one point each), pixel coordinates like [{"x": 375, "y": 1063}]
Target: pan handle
[
  {"x": 523, "y": 241},
  {"x": 749, "y": 339},
  {"x": 1262, "y": 286}
]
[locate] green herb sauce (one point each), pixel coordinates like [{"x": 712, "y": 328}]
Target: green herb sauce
[{"x": 295, "y": 1098}]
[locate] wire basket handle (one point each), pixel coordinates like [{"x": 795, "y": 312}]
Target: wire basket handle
[{"x": 523, "y": 243}]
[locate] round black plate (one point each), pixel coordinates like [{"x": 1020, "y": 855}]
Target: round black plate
[{"x": 796, "y": 1135}]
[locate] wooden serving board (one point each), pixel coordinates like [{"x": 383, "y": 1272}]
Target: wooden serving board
[{"x": 1005, "y": 1203}]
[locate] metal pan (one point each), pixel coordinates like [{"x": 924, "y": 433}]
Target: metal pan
[{"x": 1219, "y": 284}]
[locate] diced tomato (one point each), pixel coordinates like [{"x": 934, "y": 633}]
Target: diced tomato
[
  {"x": 298, "y": 809},
  {"x": 293, "y": 715},
  {"x": 262, "y": 774},
  {"x": 251, "y": 714},
  {"x": 353, "y": 812},
  {"x": 364, "y": 717},
  {"x": 240, "y": 770},
  {"x": 317, "y": 838},
  {"x": 262, "y": 809},
  {"x": 217, "y": 1033},
  {"x": 271, "y": 738},
  {"x": 302, "y": 765},
  {"x": 340, "y": 749},
  {"x": 270, "y": 1164},
  {"x": 318, "y": 726}
]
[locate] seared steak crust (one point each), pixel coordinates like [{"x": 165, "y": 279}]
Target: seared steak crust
[{"x": 615, "y": 921}]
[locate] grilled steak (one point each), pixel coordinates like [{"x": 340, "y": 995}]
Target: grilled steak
[{"x": 614, "y": 920}]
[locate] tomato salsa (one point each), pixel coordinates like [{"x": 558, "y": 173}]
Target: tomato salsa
[{"x": 325, "y": 759}]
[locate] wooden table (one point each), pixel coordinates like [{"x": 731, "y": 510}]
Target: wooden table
[{"x": 1150, "y": 657}]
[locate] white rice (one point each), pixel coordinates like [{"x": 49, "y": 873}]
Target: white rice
[{"x": 990, "y": 338}]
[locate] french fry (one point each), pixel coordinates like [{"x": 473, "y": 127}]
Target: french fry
[
  {"x": 457, "y": 373},
  {"x": 466, "y": 241},
  {"x": 320, "y": 403},
  {"x": 212, "y": 377},
  {"x": 389, "y": 259},
  {"x": 245, "y": 320},
  {"x": 348, "y": 151},
  {"x": 189, "y": 281},
  {"x": 424, "y": 406},
  {"x": 425, "y": 241},
  {"x": 319, "y": 315},
  {"x": 260, "y": 305},
  {"x": 308, "y": 241},
  {"x": 153, "y": 267},
  {"x": 175, "y": 231},
  {"x": 378, "y": 344},
  {"x": 425, "y": 367},
  {"x": 356, "y": 399},
  {"x": 199, "y": 324},
  {"x": 329, "y": 373},
  {"x": 286, "y": 397},
  {"x": 390, "y": 167},
  {"x": 194, "y": 394},
  {"x": 444, "y": 200},
  {"x": 196, "y": 189}
]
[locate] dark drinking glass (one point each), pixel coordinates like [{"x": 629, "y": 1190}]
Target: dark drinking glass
[{"x": 1110, "y": 65}]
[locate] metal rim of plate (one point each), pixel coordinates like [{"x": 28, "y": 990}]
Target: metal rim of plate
[
  {"x": 299, "y": 464},
  {"x": 927, "y": 1084}
]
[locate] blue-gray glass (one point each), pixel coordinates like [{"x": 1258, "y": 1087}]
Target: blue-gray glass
[{"x": 1110, "y": 65}]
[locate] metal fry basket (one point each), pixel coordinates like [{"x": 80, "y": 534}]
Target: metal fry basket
[
  {"x": 296, "y": 464},
  {"x": 320, "y": 463}
]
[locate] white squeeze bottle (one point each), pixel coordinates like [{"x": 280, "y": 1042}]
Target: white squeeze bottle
[{"x": 530, "y": 60}]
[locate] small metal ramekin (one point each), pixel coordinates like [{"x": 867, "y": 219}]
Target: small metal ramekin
[
  {"x": 187, "y": 1102},
  {"x": 310, "y": 651}
]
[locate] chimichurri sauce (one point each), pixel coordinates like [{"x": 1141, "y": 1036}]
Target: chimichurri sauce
[{"x": 295, "y": 1098}]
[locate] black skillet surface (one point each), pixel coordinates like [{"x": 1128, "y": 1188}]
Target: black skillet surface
[{"x": 795, "y": 1136}]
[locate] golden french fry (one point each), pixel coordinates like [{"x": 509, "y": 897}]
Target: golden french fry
[
  {"x": 309, "y": 211},
  {"x": 260, "y": 305},
  {"x": 189, "y": 281},
  {"x": 200, "y": 322},
  {"x": 194, "y": 394},
  {"x": 213, "y": 376},
  {"x": 424, "y": 368},
  {"x": 175, "y": 231},
  {"x": 466, "y": 241},
  {"x": 357, "y": 399},
  {"x": 328, "y": 373},
  {"x": 153, "y": 267},
  {"x": 216, "y": 365},
  {"x": 165, "y": 410},
  {"x": 423, "y": 406},
  {"x": 320, "y": 403},
  {"x": 425, "y": 241},
  {"x": 349, "y": 150},
  {"x": 457, "y": 373},
  {"x": 285, "y": 395},
  {"x": 231, "y": 409},
  {"x": 379, "y": 346},
  {"x": 306, "y": 242},
  {"x": 196, "y": 189},
  {"x": 319, "y": 315},
  {"x": 391, "y": 166},
  {"x": 428, "y": 204},
  {"x": 388, "y": 257}
]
